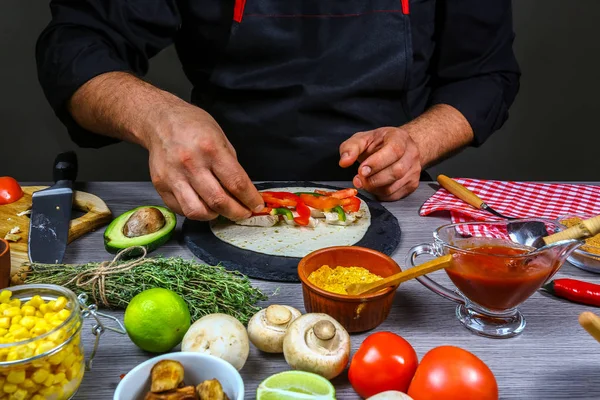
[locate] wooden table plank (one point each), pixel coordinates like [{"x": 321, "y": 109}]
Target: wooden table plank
[{"x": 554, "y": 358}]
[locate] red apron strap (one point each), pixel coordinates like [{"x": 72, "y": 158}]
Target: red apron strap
[
  {"x": 405, "y": 7},
  {"x": 238, "y": 10}
]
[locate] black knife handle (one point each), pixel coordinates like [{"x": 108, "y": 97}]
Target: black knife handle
[{"x": 65, "y": 167}]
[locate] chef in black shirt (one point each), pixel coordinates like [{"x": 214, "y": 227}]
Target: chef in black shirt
[{"x": 369, "y": 91}]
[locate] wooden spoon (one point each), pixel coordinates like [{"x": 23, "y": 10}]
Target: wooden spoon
[
  {"x": 422, "y": 269},
  {"x": 591, "y": 323}
]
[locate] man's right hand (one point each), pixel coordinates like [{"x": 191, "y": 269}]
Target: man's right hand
[{"x": 195, "y": 169}]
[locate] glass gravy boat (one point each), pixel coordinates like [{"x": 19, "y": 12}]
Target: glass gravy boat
[{"x": 492, "y": 273}]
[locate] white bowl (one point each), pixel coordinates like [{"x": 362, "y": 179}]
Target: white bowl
[{"x": 198, "y": 367}]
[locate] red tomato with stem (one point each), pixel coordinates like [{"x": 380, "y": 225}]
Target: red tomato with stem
[
  {"x": 10, "y": 190},
  {"x": 449, "y": 372},
  {"x": 384, "y": 361}
]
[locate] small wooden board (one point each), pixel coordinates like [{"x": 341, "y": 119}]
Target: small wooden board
[{"x": 96, "y": 214}]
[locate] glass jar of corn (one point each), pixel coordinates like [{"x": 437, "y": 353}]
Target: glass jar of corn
[{"x": 41, "y": 354}]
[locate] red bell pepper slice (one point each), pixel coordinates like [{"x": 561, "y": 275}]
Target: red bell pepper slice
[
  {"x": 351, "y": 204},
  {"x": 10, "y": 190},
  {"x": 344, "y": 193},
  {"x": 303, "y": 214},
  {"x": 320, "y": 203},
  {"x": 339, "y": 194},
  {"x": 275, "y": 201}
]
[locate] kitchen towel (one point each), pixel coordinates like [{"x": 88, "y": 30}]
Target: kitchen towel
[{"x": 517, "y": 199}]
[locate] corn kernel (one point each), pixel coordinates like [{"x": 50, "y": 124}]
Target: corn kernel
[
  {"x": 4, "y": 306},
  {"x": 40, "y": 328},
  {"x": 36, "y": 301},
  {"x": 3, "y": 332},
  {"x": 15, "y": 303},
  {"x": 16, "y": 319},
  {"x": 40, "y": 375},
  {"x": 12, "y": 356},
  {"x": 44, "y": 308},
  {"x": 57, "y": 358},
  {"x": 55, "y": 323},
  {"x": 27, "y": 322},
  {"x": 12, "y": 311},
  {"x": 49, "y": 316},
  {"x": 63, "y": 314},
  {"x": 5, "y": 295},
  {"x": 39, "y": 314},
  {"x": 20, "y": 394},
  {"x": 28, "y": 384},
  {"x": 47, "y": 391},
  {"x": 69, "y": 360},
  {"x": 9, "y": 388},
  {"x": 28, "y": 310},
  {"x": 16, "y": 376},
  {"x": 4, "y": 322},
  {"x": 44, "y": 347},
  {"x": 25, "y": 352},
  {"x": 59, "y": 377},
  {"x": 37, "y": 397},
  {"x": 49, "y": 380},
  {"x": 60, "y": 303}
]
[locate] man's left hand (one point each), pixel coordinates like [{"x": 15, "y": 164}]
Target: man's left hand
[{"x": 390, "y": 165}]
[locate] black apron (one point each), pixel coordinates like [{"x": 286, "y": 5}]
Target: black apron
[{"x": 298, "y": 77}]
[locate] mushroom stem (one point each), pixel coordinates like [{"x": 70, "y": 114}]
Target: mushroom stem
[
  {"x": 278, "y": 315},
  {"x": 322, "y": 337}
]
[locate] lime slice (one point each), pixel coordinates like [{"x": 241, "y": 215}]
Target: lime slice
[{"x": 290, "y": 385}]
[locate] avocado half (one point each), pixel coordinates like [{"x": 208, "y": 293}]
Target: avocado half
[{"x": 115, "y": 240}]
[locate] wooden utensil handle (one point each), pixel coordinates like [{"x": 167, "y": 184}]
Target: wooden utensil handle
[
  {"x": 460, "y": 191},
  {"x": 584, "y": 229},
  {"x": 591, "y": 323},
  {"x": 422, "y": 269}
]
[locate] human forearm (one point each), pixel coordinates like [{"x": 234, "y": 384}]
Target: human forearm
[
  {"x": 120, "y": 105},
  {"x": 439, "y": 132}
]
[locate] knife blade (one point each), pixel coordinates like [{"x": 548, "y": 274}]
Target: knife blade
[{"x": 51, "y": 213}]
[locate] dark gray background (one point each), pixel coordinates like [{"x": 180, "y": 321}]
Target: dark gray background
[{"x": 552, "y": 133}]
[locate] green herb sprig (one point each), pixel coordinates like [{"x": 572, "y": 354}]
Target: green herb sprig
[{"x": 207, "y": 289}]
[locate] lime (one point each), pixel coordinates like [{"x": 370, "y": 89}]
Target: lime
[
  {"x": 157, "y": 319},
  {"x": 295, "y": 385}
]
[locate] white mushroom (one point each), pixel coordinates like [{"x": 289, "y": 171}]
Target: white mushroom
[
  {"x": 220, "y": 335},
  {"x": 317, "y": 343},
  {"x": 390, "y": 395},
  {"x": 267, "y": 327}
]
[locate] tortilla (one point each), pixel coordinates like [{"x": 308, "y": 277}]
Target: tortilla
[
  {"x": 290, "y": 240},
  {"x": 383, "y": 235}
]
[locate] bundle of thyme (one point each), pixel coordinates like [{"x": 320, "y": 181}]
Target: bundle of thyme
[{"x": 206, "y": 289}]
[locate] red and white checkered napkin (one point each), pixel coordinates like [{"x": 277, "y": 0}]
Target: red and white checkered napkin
[{"x": 515, "y": 199}]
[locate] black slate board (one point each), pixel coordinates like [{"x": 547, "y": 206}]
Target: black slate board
[{"x": 383, "y": 235}]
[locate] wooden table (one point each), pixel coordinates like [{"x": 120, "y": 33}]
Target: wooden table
[{"x": 554, "y": 358}]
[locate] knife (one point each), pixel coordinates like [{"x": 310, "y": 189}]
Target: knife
[{"x": 51, "y": 213}]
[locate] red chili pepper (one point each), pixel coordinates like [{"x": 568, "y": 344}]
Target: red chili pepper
[{"x": 576, "y": 291}]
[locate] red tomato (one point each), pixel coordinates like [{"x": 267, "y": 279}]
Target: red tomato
[
  {"x": 10, "y": 190},
  {"x": 449, "y": 372},
  {"x": 384, "y": 361}
]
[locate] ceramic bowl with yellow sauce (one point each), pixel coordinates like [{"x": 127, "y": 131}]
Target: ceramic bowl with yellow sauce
[
  {"x": 587, "y": 257},
  {"x": 323, "y": 293}
]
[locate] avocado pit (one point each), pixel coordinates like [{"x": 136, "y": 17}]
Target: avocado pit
[{"x": 144, "y": 221}]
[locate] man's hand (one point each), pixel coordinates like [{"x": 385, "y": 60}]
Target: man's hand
[
  {"x": 392, "y": 158},
  {"x": 193, "y": 166},
  {"x": 195, "y": 169},
  {"x": 390, "y": 165}
]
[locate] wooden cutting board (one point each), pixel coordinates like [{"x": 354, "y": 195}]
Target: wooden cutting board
[{"x": 96, "y": 215}]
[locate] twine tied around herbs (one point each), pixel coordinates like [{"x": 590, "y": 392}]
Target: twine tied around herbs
[{"x": 96, "y": 277}]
